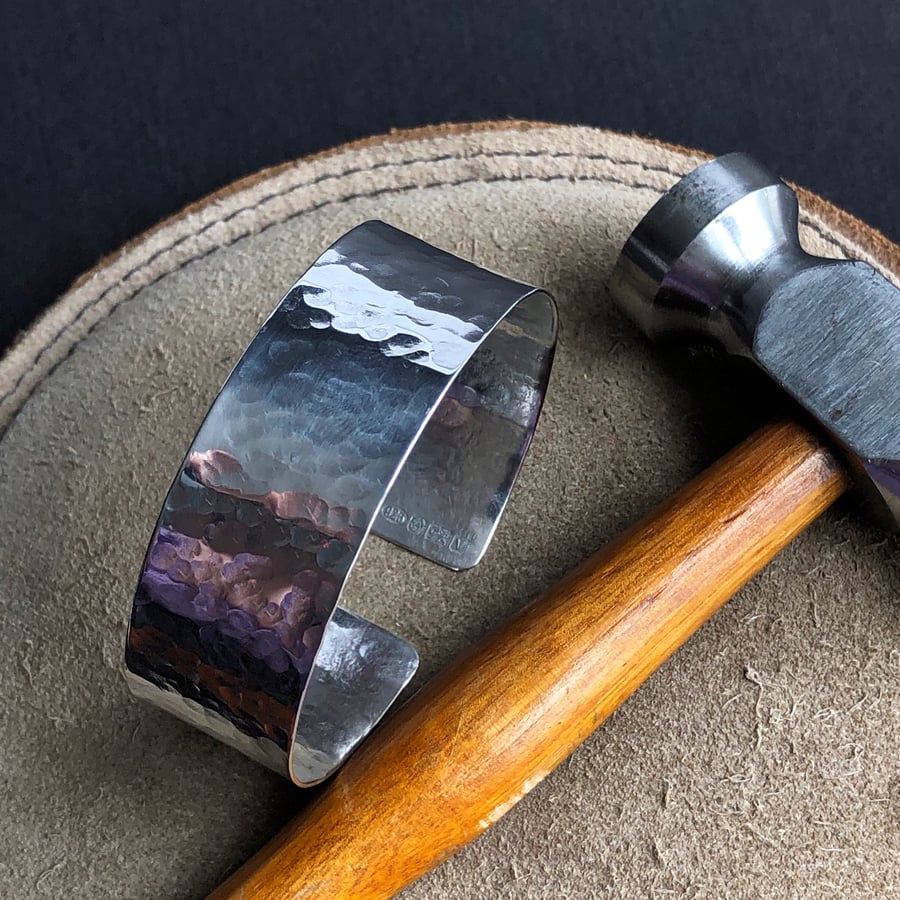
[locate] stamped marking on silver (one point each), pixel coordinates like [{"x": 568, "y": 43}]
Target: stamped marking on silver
[{"x": 433, "y": 532}]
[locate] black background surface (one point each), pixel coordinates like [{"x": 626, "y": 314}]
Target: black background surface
[{"x": 115, "y": 114}]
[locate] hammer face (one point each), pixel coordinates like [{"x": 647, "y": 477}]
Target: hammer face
[
  {"x": 718, "y": 259},
  {"x": 691, "y": 267}
]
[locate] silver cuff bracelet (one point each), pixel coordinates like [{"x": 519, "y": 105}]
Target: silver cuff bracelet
[{"x": 396, "y": 389}]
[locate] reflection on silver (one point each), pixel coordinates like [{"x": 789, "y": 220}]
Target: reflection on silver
[
  {"x": 396, "y": 388},
  {"x": 718, "y": 258}
]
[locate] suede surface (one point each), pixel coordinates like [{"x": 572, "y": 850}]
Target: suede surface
[{"x": 760, "y": 761}]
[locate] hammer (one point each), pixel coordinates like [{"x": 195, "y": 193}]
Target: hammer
[{"x": 716, "y": 259}]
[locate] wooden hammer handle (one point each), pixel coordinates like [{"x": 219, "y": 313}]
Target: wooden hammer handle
[{"x": 481, "y": 735}]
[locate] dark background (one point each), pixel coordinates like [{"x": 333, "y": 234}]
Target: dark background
[{"x": 116, "y": 114}]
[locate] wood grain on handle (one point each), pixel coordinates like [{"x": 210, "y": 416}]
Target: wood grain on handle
[{"x": 490, "y": 727}]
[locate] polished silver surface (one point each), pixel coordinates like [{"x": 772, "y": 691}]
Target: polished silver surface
[
  {"x": 395, "y": 388},
  {"x": 718, "y": 259}
]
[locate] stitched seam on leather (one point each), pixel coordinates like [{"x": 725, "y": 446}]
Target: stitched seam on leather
[
  {"x": 595, "y": 157},
  {"x": 335, "y": 176},
  {"x": 532, "y": 154}
]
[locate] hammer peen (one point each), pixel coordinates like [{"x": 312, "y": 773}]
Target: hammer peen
[{"x": 717, "y": 258}]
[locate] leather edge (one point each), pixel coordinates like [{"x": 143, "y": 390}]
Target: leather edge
[{"x": 867, "y": 238}]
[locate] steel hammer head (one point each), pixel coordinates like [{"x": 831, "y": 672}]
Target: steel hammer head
[{"x": 718, "y": 259}]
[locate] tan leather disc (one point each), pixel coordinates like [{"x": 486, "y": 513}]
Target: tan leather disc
[{"x": 759, "y": 761}]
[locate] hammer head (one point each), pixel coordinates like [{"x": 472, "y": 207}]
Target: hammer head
[{"x": 718, "y": 259}]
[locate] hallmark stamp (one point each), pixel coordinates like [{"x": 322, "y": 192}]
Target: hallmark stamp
[
  {"x": 396, "y": 514},
  {"x": 416, "y": 525},
  {"x": 433, "y": 532}
]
